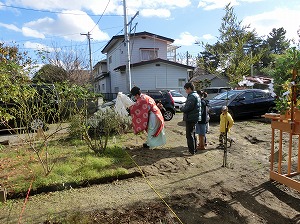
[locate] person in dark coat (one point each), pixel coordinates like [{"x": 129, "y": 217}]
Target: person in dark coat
[{"x": 192, "y": 114}]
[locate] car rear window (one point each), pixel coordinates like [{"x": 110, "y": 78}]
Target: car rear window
[
  {"x": 210, "y": 91},
  {"x": 155, "y": 96},
  {"x": 225, "y": 95},
  {"x": 262, "y": 95},
  {"x": 224, "y": 90},
  {"x": 216, "y": 90}
]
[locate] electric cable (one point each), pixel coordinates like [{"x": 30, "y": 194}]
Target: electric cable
[
  {"x": 48, "y": 11},
  {"x": 100, "y": 16}
]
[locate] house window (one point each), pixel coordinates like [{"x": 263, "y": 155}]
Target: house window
[
  {"x": 149, "y": 54},
  {"x": 109, "y": 60},
  {"x": 103, "y": 87},
  {"x": 181, "y": 82},
  {"x": 116, "y": 89}
]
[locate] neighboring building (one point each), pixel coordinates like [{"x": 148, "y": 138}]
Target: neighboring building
[
  {"x": 212, "y": 80},
  {"x": 152, "y": 66},
  {"x": 101, "y": 79}
]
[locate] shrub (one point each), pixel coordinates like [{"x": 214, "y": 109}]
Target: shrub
[{"x": 103, "y": 124}]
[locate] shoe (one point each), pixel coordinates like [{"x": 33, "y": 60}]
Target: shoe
[
  {"x": 193, "y": 153},
  {"x": 230, "y": 142},
  {"x": 200, "y": 148},
  {"x": 146, "y": 146},
  {"x": 188, "y": 154}
]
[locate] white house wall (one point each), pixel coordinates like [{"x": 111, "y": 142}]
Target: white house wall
[
  {"x": 114, "y": 57},
  {"x": 165, "y": 76},
  {"x": 118, "y": 58},
  {"x": 118, "y": 82},
  {"x": 138, "y": 43},
  {"x": 119, "y": 54}
]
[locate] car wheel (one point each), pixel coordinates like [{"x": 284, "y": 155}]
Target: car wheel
[{"x": 168, "y": 115}]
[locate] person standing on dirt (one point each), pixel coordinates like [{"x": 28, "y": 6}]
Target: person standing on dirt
[
  {"x": 207, "y": 114},
  {"x": 201, "y": 125},
  {"x": 147, "y": 116},
  {"x": 192, "y": 114},
  {"x": 226, "y": 123}
]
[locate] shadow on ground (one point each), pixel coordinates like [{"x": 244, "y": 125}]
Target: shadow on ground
[{"x": 194, "y": 207}]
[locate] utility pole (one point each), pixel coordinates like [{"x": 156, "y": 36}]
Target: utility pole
[
  {"x": 128, "y": 71},
  {"x": 90, "y": 53},
  {"x": 187, "y": 58},
  {"x": 127, "y": 43}
]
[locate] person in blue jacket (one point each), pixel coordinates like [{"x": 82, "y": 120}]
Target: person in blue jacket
[{"x": 192, "y": 114}]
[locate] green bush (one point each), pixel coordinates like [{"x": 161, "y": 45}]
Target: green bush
[{"x": 101, "y": 126}]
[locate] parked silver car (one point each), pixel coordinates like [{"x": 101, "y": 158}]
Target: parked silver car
[{"x": 179, "y": 99}]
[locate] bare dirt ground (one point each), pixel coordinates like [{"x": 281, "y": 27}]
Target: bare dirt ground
[{"x": 177, "y": 188}]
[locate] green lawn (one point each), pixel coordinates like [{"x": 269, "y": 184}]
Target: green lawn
[{"x": 72, "y": 162}]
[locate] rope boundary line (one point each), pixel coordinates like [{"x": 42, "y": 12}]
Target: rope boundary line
[{"x": 151, "y": 186}]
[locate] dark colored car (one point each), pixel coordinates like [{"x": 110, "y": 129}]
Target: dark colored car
[
  {"x": 242, "y": 103},
  {"x": 214, "y": 91},
  {"x": 41, "y": 109},
  {"x": 162, "y": 96},
  {"x": 165, "y": 97}
]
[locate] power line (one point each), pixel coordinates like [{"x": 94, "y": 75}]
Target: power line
[
  {"x": 65, "y": 46},
  {"x": 90, "y": 52},
  {"x": 100, "y": 16},
  {"x": 71, "y": 34},
  {"x": 106, "y": 42},
  {"x": 57, "y": 12}
]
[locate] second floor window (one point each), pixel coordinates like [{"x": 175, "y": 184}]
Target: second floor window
[{"x": 148, "y": 54}]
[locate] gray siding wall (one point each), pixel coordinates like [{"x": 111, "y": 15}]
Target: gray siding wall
[
  {"x": 119, "y": 83},
  {"x": 138, "y": 43},
  {"x": 105, "y": 82},
  {"x": 219, "y": 82},
  {"x": 118, "y": 56},
  {"x": 119, "y": 52},
  {"x": 164, "y": 76}
]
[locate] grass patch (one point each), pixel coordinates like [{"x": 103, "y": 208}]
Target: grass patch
[{"x": 73, "y": 162}]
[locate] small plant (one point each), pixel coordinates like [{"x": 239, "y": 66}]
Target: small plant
[
  {"x": 282, "y": 105},
  {"x": 101, "y": 126}
]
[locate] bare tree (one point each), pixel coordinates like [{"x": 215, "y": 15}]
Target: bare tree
[{"x": 72, "y": 60}]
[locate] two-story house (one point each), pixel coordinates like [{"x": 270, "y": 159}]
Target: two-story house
[{"x": 150, "y": 66}]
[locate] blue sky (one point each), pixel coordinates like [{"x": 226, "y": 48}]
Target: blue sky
[{"x": 41, "y": 24}]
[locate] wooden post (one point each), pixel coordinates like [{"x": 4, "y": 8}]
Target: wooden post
[
  {"x": 290, "y": 153},
  {"x": 280, "y": 152},
  {"x": 298, "y": 154},
  {"x": 2, "y": 194},
  {"x": 272, "y": 150}
]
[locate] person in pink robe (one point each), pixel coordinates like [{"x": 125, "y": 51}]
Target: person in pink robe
[{"x": 146, "y": 116}]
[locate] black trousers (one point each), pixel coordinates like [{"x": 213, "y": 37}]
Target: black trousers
[{"x": 191, "y": 136}]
